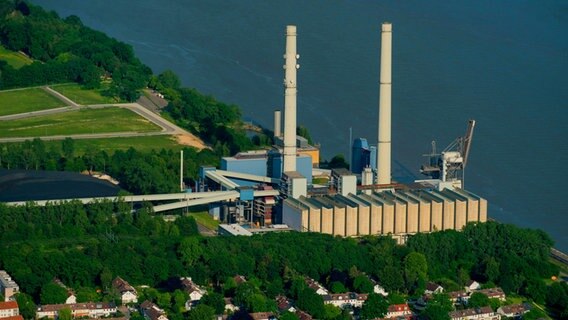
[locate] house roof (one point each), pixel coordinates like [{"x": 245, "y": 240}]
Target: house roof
[
  {"x": 470, "y": 312},
  {"x": 151, "y": 310},
  {"x": 18, "y": 317},
  {"x": 8, "y": 305},
  {"x": 77, "y": 306},
  {"x": 303, "y": 315},
  {"x": 431, "y": 286},
  {"x": 470, "y": 282},
  {"x": 515, "y": 309},
  {"x": 262, "y": 315},
  {"x": 189, "y": 286},
  {"x": 398, "y": 307},
  {"x": 492, "y": 292},
  {"x": 239, "y": 279},
  {"x": 122, "y": 286}
]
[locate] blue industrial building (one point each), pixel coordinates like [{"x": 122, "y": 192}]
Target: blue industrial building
[{"x": 362, "y": 155}]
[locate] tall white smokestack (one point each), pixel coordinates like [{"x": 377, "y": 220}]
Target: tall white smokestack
[
  {"x": 277, "y": 123},
  {"x": 290, "y": 100},
  {"x": 384, "y": 147}
]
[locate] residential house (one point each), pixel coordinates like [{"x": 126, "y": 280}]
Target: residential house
[
  {"x": 9, "y": 309},
  {"x": 494, "y": 293},
  {"x": 8, "y": 287},
  {"x": 314, "y": 285},
  {"x": 71, "y": 297},
  {"x": 472, "y": 285},
  {"x": 342, "y": 300},
  {"x": 459, "y": 297},
  {"x": 398, "y": 311},
  {"x": 230, "y": 306},
  {"x": 127, "y": 292},
  {"x": 433, "y": 288},
  {"x": 484, "y": 313},
  {"x": 262, "y": 316},
  {"x": 378, "y": 289},
  {"x": 151, "y": 311},
  {"x": 515, "y": 311},
  {"x": 78, "y": 310},
  {"x": 284, "y": 304},
  {"x": 194, "y": 291},
  {"x": 239, "y": 279},
  {"x": 303, "y": 315}
]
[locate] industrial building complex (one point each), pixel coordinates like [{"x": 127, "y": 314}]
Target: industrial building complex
[
  {"x": 360, "y": 202},
  {"x": 283, "y": 188}
]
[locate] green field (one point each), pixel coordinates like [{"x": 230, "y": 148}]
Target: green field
[
  {"x": 206, "y": 220},
  {"x": 14, "y": 59},
  {"x": 84, "y": 121},
  {"x": 110, "y": 145},
  {"x": 27, "y": 100},
  {"x": 76, "y": 93}
]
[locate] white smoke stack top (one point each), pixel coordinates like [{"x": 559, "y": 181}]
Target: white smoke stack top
[
  {"x": 277, "y": 123},
  {"x": 290, "y": 100},
  {"x": 384, "y": 147}
]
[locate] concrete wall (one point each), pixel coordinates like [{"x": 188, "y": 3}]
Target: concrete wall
[
  {"x": 436, "y": 222},
  {"x": 338, "y": 221},
  {"x": 327, "y": 220},
  {"x": 425, "y": 215},
  {"x": 315, "y": 220},
  {"x": 482, "y": 210},
  {"x": 388, "y": 218},
  {"x": 376, "y": 221},
  {"x": 412, "y": 217},
  {"x": 364, "y": 220},
  {"x": 448, "y": 214},
  {"x": 399, "y": 217},
  {"x": 473, "y": 210},
  {"x": 351, "y": 221},
  {"x": 461, "y": 214},
  {"x": 294, "y": 216}
]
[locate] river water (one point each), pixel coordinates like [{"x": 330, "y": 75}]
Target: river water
[{"x": 503, "y": 63}]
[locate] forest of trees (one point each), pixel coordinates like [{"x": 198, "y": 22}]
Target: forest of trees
[
  {"x": 64, "y": 50},
  {"x": 85, "y": 246},
  {"x": 138, "y": 172}
]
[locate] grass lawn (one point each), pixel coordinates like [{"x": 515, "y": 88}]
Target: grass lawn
[
  {"x": 27, "y": 100},
  {"x": 205, "y": 219},
  {"x": 15, "y": 59},
  {"x": 82, "y": 121},
  {"x": 110, "y": 145},
  {"x": 76, "y": 93}
]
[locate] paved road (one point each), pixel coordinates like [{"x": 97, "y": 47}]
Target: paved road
[{"x": 61, "y": 97}]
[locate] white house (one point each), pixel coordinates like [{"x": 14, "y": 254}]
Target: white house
[
  {"x": 9, "y": 309},
  {"x": 472, "y": 285},
  {"x": 398, "y": 310},
  {"x": 193, "y": 290},
  {"x": 341, "y": 300},
  {"x": 433, "y": 288},
  {"x": 514, "y": 310},
  {"x": 484, "y": 313},
  {"x": 318, "y": 288},
  {"x": 152, "y": 311},
  {"x": 127, "y": 292},
  {"x": 71, "y": 297},
  {"x": 78, "y": 310}
]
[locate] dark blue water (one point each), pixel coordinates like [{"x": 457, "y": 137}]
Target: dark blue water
[{"x": 503, "y": 63}]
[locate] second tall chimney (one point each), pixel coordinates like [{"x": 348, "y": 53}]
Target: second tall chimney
[
  {"x": 384, "y": 146},
  {"x": 290, "y": 100}
]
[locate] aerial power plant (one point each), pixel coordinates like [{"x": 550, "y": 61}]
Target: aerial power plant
[
  {"x": 275, "y": 189},
  {"x": 283, "y": 188}
]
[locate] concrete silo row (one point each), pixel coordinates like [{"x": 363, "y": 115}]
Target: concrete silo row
[{"x": 396, "y": 213}]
